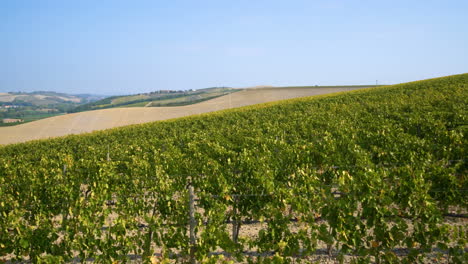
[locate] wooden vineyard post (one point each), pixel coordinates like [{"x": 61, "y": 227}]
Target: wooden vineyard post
[
  {"x": 192, "y": 222},
  {"x": 108, "y": 154},
  {"x": 235, "y": 232},
  {"x": 65, "y": 181}
]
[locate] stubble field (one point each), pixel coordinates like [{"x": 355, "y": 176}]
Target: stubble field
[{"x": 89, "y": 121}]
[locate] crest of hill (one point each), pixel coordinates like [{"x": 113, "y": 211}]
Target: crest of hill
[{"x": 259, "y": 87}]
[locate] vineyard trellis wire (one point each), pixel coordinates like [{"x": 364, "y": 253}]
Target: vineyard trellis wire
[{"x": 236, "y": 222}]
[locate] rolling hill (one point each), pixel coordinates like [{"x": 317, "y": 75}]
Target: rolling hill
[
  {"x": 88, "y": 121},
  {"x": 44, "y": 98},
  {"x": 26, "y": 107},
  {"x": 362, "y": 174},
  {"x": 157, "y": 98}
]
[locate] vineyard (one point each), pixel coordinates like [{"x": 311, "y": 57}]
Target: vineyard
[{"x": 373, "y": 175}]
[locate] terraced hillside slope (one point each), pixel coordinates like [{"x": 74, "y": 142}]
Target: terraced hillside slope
[{"x": 83, "y": 122}]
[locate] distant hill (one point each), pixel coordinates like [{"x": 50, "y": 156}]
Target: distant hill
[
  {"x": 41, "y": 98},
  {"x": 26, "y": 107},
  {"x": 157, "y": 98}
]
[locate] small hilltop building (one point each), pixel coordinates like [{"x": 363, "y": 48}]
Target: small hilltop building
[{"x": 12, "y": 120}]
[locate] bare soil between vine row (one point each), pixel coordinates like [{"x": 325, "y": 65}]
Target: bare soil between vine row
[{"x": 321, "y": 255}]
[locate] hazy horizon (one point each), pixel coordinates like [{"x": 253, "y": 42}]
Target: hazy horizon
[
  {"x": 124, "y": 94},
  {"x": 120, "y": 47}
]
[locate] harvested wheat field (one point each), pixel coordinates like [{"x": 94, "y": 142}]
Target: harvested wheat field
[{"x": 108, "y": 118}]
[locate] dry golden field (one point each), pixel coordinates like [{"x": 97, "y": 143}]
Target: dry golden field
[{"x": 83, "y": 122}]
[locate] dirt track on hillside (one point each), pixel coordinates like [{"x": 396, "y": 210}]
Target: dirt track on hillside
[{"x": 108, "y": 118}]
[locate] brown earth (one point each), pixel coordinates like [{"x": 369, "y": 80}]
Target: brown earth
[{"x": 83, "y": 122}]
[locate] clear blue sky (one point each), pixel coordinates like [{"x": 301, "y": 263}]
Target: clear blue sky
[{"x": 122, "y": 47}]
